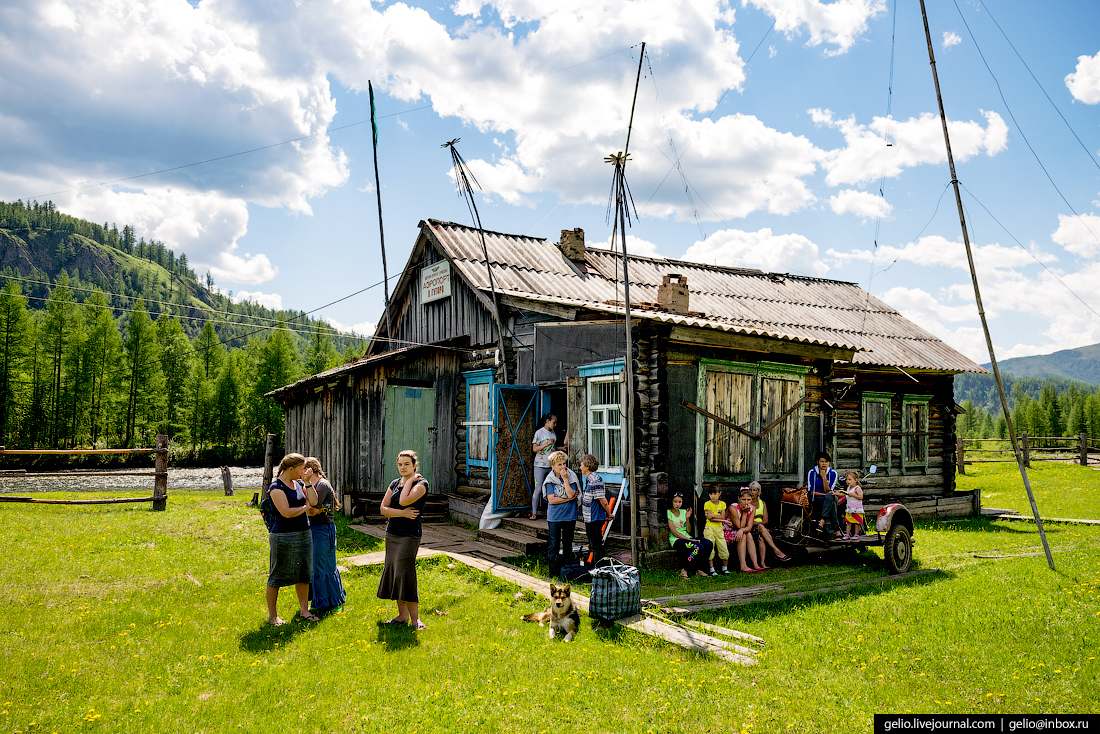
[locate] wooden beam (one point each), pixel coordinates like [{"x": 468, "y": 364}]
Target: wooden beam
[
  {"x": 713, "y": 338},
  {"x": 564, "y": 313}
]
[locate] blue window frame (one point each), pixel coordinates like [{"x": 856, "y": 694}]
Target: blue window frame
[
  {"x": 605, "y": 416},
  {"x": 479, "y": 416}
]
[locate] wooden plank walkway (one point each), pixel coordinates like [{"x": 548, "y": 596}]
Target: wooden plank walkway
[
  {"x": 1017, "y": 517},
  {"x": 723, "y": 598},
  {"x": 447, "y": 537},
  {"x": 686, "y": 638}
]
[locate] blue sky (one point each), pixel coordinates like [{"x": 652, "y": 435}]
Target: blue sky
[{"x": 782, "y": 155}]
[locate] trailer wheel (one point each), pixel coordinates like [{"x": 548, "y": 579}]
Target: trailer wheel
[{"x": 897, "y": 549}]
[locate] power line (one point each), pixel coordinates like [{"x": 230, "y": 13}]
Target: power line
[
  {"x": 299, "y": 139},
  {"x": 1020, "y": 129}
]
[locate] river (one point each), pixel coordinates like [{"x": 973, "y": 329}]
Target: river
[{"x": 245, "y": 479}]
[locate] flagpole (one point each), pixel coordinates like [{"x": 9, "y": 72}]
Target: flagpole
[{"x": 381, "y": 234}]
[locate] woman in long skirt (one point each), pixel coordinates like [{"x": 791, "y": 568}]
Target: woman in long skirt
[
  {"x": 326, "y": 590},
  {"x": 402, "y": 504},
  {"x": 290, "y": 548}
]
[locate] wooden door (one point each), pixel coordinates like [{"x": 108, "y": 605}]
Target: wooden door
[
  {"x": 515, "y": 420},
  {"x": 410, "y": 424}
]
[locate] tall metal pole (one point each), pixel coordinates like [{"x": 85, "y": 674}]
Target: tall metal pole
[
  {"x": 628, "y": 434},
  {"x": 381, "y": 234},
  {"x": 978, "y": 296}
]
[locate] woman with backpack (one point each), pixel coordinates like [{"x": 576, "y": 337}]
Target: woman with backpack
[{"x": 290, "y": 545}]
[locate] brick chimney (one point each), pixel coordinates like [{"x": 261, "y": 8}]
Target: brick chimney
[
  {"x": 572, "y": 244},
  {"x": 673, "y": 294}
]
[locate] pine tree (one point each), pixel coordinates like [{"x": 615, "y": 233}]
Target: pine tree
[
  {"x": 177, "y": 362},
  {"x": 103, "y": 350},
  {"x": 146, "y": 388},
  {"x": 14, "y": 327},
  {"x": 56, "y": 335},
  {"x": 320, "y": 354}
]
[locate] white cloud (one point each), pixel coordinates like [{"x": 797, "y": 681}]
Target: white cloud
[
  {"x": 634, "y": 246},
  {"x": 951, "y": 38},
  {"x": 363, "y": 328},
  {"x": 141, "y": 87},
  {"x": 915, "y": 142},
  {"x": 273, "y": 301},
  {"x": 839, "y": 23},
  {"x": 935, "y": 250},
  {"x": 861, "y": 203},
  {"x": 1084, "y": 82},
  {"x": 1079, "y": 235},
  {"x": 763, "y": 250}
]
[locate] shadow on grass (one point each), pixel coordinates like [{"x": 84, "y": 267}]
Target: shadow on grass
[
  {"x": 397, "y": 636},
  {"x": 763, "y": 609},
  {"x": 268, "y": 637}
]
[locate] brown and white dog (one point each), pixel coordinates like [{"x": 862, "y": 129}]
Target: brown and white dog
[{"x": 561, "y": 615}]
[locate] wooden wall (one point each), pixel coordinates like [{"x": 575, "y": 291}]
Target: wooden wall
[
  {"x": 342, "y": 422},
  {"x": 926, "y": 490},
  {"x": 462, "y": 314}
]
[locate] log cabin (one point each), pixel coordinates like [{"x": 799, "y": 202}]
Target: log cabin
[{"x": 738, "y": 374}]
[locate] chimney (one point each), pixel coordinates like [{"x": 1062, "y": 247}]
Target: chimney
[
  {"x": 572, "y": 244},
  {"x": 673, "y": 294}
]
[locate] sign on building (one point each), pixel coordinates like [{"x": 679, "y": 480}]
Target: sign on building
[{"x": 435, "y": 281}]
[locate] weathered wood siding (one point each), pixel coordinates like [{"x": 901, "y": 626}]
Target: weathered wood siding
[
  {"x": 462, "y": 314},
  {"x": 342, "y": 422},
  {"x": 934, "y": 482}
]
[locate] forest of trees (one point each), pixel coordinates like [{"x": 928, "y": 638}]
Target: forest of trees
[
  {"x": 74, "y": 375},
  {"x": 1040, "y": 407},
  {"x": 114, "y": 355}
]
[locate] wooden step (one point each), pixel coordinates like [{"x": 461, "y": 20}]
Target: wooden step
[
  {"x": 522, "y": 543},
  {"x": 473, "y": 492},
  {"x": 464, "y": 509},
  {"x": 521, "y": 525}
]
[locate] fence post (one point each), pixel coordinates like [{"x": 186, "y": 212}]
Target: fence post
[
  {"x": 1084, "y": 448},
  {"x": 160, "y": 476},
  {"x": 1025, "y": 449},
  {"x": 960, "y": 455},
  {"x": 227, "y": 481},
  {"x": 269, "y": 465}
]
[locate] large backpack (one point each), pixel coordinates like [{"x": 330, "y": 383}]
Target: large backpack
[{"x": 267, "y": 511}]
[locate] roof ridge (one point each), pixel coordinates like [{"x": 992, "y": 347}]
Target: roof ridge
[{"x": 486, "y": 231}]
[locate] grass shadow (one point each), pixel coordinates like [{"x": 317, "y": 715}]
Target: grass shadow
[
  {"x": 763, "y": 609},
  {"x": 397, "y": 637},
  {"x": 267, "y": 637}
]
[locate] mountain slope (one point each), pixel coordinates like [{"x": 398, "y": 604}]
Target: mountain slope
[{"x": 1081, "y": 364}]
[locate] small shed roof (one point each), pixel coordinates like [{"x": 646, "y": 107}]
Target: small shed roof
[{"x": 795, "y": 308}]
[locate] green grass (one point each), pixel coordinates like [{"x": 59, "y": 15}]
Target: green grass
[
  {"x": 116, "y": 618},
  {"x": 1061, "y": 490}
]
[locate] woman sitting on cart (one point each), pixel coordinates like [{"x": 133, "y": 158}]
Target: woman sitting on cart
[{"x": 821, "y": 483}]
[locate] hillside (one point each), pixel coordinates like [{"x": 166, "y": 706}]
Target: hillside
[
  {"x": 37, "y": 243},
  {"x": 1081, "y": 364}
]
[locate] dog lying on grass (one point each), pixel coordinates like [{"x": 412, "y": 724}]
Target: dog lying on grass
[{"x": 561, "y": 615}]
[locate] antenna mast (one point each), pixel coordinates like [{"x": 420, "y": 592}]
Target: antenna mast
[
  {"x": 621, "y": 217},
  {"x": 978, "y": 297}
]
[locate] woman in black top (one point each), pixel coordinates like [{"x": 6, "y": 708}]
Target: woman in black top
[
  {"x": 290, "y": 545},
  {"x": 402, "y": 504},
  {"x": 326, "y": 591}
]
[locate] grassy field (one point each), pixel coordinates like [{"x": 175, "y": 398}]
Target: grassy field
[
  {"x": 1061, "y": 489},
  {"x": 121, "y": 619}
]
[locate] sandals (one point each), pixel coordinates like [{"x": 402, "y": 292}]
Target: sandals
[
  {"x": 684, "y": 574},
  {"x": 309, "y": 617},
  {"x": 277, "y": 622},
  {"x": 420, "y": 626},
  {"x": 532, "y": 516},
  {"x": 395, "y": 620}
]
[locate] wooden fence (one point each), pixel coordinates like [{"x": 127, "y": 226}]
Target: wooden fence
[
  {"x": 1081, "y": 450},
  {"x": 159, "y": 474}
]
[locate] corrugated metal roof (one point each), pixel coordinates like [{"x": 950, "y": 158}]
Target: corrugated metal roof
[{"x": 795, "y": 308}]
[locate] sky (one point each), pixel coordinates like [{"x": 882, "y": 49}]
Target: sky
[{"x": 793, "y": 136}]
